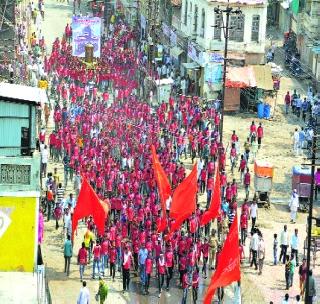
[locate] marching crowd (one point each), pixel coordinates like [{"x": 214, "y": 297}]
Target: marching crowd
[{"x": 103, "y": 132}]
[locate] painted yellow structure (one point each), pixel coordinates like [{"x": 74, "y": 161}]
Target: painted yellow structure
[{"x": 18, "y": 233}]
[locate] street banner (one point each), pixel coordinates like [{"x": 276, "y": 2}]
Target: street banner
[{"x": 86, "y": 30}]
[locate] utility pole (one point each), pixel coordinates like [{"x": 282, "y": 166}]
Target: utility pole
[
  {"x": 312, "y": 189},
  {"x": 228, "y": 11}
]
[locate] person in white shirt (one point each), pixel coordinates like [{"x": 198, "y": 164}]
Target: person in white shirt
[
  {"x": 84, "y": 295},
  {"x": 296, "y": 147},
  {"x": 295, "y": 245},
  {"x": 254, "y": 213},
  {"x": 254, "y": 246},
  {"x": 67, "y": 223},
  {"x": 294, "y": 205},
  {"x": 284, "y": 243},
  {"x": 261, "y": 253},
  {"x": 44, "y": 161}
]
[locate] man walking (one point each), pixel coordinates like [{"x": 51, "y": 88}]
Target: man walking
[
  {"x": 126, "y": 265},
  {"x": 213, "y": 243},
  {"x": 294, "y": 205},
  {"x": 67, "y": 250},
  {"x": 142, "y": 256},
  {"x": 295, "y": 245},
  {"x": 84, "y": 295},
  {"x": 82, "y": 260},
  {"x": 284, "y": 243},
  {"x": 254, "y": 246}
]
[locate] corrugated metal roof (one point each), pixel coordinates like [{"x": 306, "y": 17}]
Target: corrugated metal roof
[{"x": 23, "y": 93}]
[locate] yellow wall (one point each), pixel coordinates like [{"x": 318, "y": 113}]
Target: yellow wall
[{"x": 17, "y": 243}]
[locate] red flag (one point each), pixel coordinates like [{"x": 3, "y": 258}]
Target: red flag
[
  {"x": 228, "y": 269},
  {"x": 89, "y": 204},
  {"x": 215, "y": 203},
  {"x": 184, "y": 198},
  {"x": 164, "y": 187}
]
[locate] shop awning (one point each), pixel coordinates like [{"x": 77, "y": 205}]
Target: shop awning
[
  {"x": 263, "y": 76},
  {"x": 176, "y": 51},
  {"x": 252, "y": 76},
  {"x": 240, "y": 77},
  {"x": 191, "y": 65}
]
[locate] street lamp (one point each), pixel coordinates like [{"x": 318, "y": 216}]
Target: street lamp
[{"x": 228, "y": 11}]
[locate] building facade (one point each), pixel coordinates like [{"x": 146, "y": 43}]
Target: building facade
[{"x": 204, "y": 28}]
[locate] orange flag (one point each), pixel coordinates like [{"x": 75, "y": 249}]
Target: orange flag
[
  {"x": 228, "y": 269},
  {"x": 88, "y": 203},
  {"x": 215, "y": 203},
  {"x": 185, "y": 197},
  {"x": 164, "y": 187}
]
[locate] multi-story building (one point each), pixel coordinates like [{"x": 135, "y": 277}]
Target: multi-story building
[
  {"x": 308, "y": 38},
  {"x": 204, "y": 28}
]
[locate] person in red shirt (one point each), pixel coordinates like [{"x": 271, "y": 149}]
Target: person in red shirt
[
  {"x": 126, "y": 265},
  {"x": 246, "y": 182},
  {"x": 112, "y": 258},
  {"x": 243, "y": 227},
  {"x": 104, "y": 254},
  {"x": 182, "y": 265},
  {"x": 287, "y": 101},
  {"x": 260, "y": 135},
  {"x": 253, "y": 131},
  {"x": 169, "y": 258},
  {"x": 185, "y": 286},
  {"x": 96, "y": 258},
  {"x": 82, "y": 259},
  {"x": 205, "y": 254},
  {"x": 242, "y": 167},
  {"x": 148, "y": 265},
  {"x": 195, "y": 284},
  {"x": 161, "y": 272}
]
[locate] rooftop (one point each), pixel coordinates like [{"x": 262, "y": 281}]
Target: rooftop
[{"x": 25, "y": 94}]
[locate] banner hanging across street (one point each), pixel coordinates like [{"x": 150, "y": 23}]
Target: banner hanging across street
[{"x": 86, "y": 30}]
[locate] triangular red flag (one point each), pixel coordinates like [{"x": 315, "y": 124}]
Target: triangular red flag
[
  {"x": 164, "y": 187},
  {"x": 228, "y": 268},
  {"x": 215, "y": 203},
  {"x": 88, "y": 203}
]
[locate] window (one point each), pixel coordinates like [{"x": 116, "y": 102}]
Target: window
[
  {"x": 195, "y": 22},
  {"x": 217, "y": 26},
  {"x": 203, "y": 21},
  {"x": 236, "y": 30},
  {"x": 186, "y": 13},
  {"x": 255, "y": 28}
]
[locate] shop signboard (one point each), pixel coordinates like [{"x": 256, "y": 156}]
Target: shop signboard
[
  {"x": 86, "y": 30},
  {"x": 18, "y": 233}
]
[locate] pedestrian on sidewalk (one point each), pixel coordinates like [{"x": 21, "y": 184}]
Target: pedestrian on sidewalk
[
  {"x": 82, "y": 259},
  {"x": 67, "y": 250},
  {"x": 84, "y": 295},
  {"x": 287, "y": 101}
]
